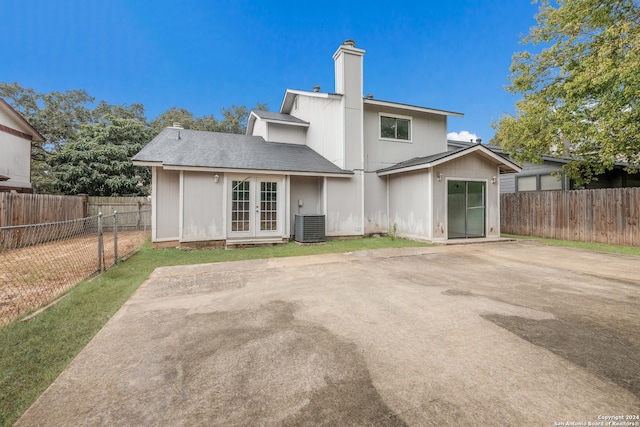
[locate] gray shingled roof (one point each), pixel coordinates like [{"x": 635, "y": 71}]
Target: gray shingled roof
[
  {"x": 183, "y": 147},
  {"x": 270, "y": 115},
  {"x": 422, "y": 160}
]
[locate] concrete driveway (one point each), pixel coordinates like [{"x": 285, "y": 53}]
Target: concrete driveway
[{"x": 512, "y": 333}]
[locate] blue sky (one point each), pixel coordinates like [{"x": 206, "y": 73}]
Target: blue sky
[{"x": 205, "y": 55}]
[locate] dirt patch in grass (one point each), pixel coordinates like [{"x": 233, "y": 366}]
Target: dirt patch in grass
[{"x": 34, "y": 275}]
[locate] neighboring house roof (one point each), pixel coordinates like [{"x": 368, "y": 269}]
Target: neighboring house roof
[
  {"x": 498, "y": 149},
  {"x": 506, "y": 165},
  {"x": 545, "y": 157},
  {"x": 184, "y": 148},
  {"x": 271, "y": 117},
  {"x": 4, "y": 178},
  {"x": 26, "y": 131}
]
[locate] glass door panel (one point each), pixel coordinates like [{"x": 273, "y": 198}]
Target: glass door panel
[
  {"x": 475, "y": 209},
  {"x": 268, "y": 206},
  {"x": 456, "y": 209},
  {"x": 240, "y": 206},
  {"x": 465, "y": 209}
]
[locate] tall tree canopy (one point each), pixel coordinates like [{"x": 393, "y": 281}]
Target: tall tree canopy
[
  {"x": 89, "y": 146},
  {"x": 580, "y": 93},
  {"x": 99, "y": 163}
]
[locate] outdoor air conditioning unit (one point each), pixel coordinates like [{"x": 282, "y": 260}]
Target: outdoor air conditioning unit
[{"x": 309, "y": 228}]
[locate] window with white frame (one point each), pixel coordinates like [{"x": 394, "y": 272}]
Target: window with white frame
[{"x": 395, "y": 127}]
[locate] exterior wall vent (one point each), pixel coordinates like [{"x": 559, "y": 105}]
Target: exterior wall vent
[{"x": 309, "y": 228}]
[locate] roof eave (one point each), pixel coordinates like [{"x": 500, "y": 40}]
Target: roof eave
[
  {"x": 416, "y": 108},
  {"x": 345, "y": 174}
]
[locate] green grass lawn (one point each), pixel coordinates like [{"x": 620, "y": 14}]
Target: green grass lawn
[
  {"x": 600, "y": 247},
  {"x": 34, "y": 353}
]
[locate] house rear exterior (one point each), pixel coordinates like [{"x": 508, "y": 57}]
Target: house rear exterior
[{"x": 369, "y": 166}]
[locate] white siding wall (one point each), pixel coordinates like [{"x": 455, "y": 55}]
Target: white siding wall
[
  {"x": 286, "y": 133},
  {"x": 375, "y": 204},
  {"x": 15, "y": 155},
  {"x": 260, "y": 129},
  {"x": 429, "y": 136},
  {"x": 344, "y": 206},
  {"x": 203, "y": 207},
  {"x": 410, "y": 204},
  {"x": 166, "y": 189},
  {"x": 471, "y": 167},
  {"x": 324, "y": 134},
  {"x": 308, "y": 189}
]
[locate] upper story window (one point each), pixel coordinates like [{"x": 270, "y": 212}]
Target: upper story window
[{"x": 395, "y": 127}]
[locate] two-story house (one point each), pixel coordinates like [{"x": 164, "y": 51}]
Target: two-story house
[
  {"x": 369, "y": 166},
  {"x": 16, "y": 135}
]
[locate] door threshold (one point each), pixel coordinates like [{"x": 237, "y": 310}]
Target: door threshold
[{"x": 254, "y": 242}]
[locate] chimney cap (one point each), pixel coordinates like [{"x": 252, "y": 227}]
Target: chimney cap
[
  {"x": 369, "y": 96},
  {"x": 349, "y": 42},
  {"x": 316, "y": 88}
]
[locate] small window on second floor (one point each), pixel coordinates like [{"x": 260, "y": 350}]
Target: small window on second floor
[{"x": 395, "y": 128}]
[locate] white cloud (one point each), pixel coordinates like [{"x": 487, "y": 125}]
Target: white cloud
[{"x": 464, "y": 135}]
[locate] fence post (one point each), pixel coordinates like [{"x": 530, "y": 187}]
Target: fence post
[
  {"x": 115, "y": 237},
  {"x": 100, "y": 247}
]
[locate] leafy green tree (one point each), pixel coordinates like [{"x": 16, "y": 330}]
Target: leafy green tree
[
  {"x": 99, "y": 162},
  {"x": 234, "y": 119},
  {"x": 580, "y": 93},
  {"x": 58, "y": 116}
]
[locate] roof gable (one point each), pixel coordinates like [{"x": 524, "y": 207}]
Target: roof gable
[
  {"x": 271, "y": 117},
  {"x": 506, "y": 165}
]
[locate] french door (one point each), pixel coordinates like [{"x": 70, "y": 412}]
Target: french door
[
  {"x": 255, "y": 207},
  {"x": 466, "y": 209}
]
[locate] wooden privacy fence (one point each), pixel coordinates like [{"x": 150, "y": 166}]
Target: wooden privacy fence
[
  {"x": 610, "y": 215},
  {"x": 23, "y": 209},
  {"x": 125, "y": 206}
]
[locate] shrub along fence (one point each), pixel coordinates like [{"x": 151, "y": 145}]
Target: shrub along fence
[
  {"x": 38, "y": 262},
  {"x": 609, "y": 215}
]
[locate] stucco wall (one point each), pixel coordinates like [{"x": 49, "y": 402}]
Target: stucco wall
[
  {"x": 410, "y": 204},
  {"x": 166, "y": 196},
  {"x": 429, "y": 136},
  {"x": 344, "y": 206},
  {"x": 203, "y": 198}
]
